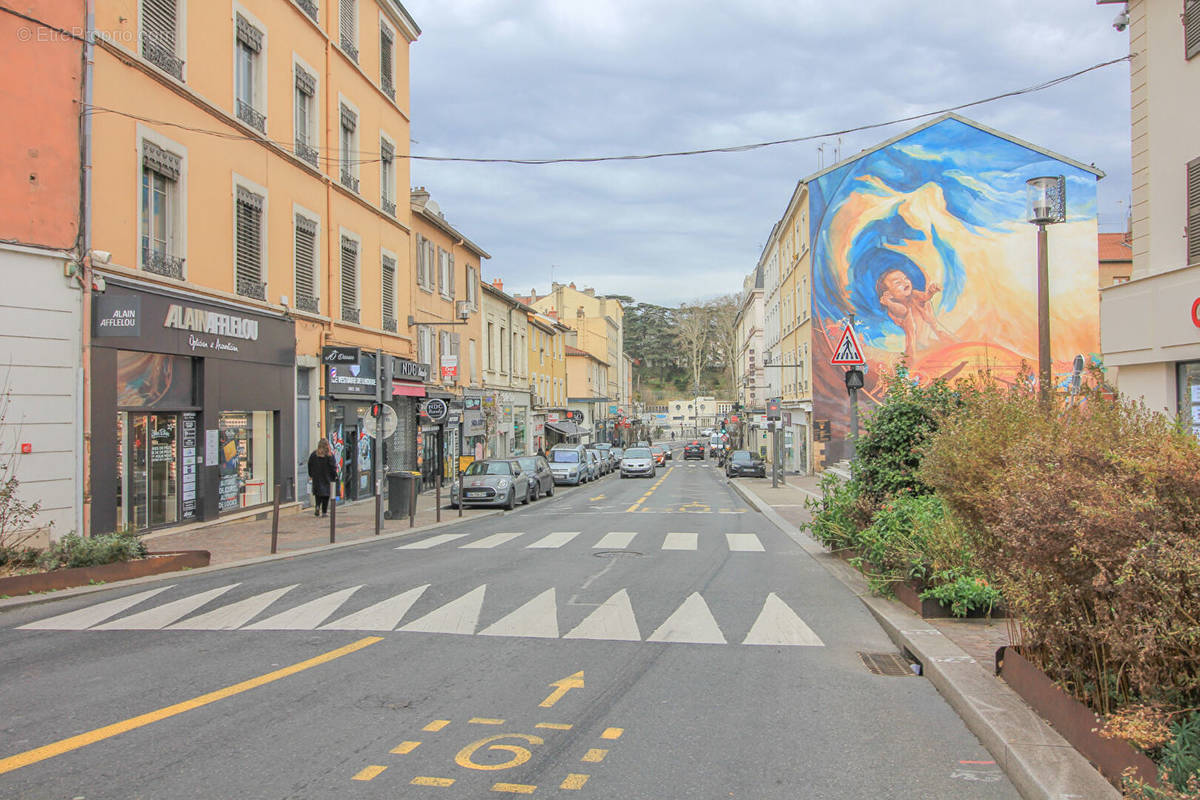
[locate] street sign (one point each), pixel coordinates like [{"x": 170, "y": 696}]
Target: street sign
[
  {"x": 334, "y": 354},
  {"x": 848, "y": 352},
  {"x": 390, "y": 422}
]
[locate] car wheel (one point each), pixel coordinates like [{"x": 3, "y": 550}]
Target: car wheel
[
  {"x": 550, "y": 491},
  {"x": 511, "y": 502},
  {"x": 528, "y": 495}
]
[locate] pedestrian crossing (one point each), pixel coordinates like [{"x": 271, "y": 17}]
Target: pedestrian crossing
[
  {"x": 612, "y": 540},
  {"x": 615, "y": 619}
]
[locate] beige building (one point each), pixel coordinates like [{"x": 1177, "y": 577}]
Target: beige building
[
  {"x": 1150, "y": 324},
  {"x": 588, "y": 396},
  {"x": 506, "y": 397}
]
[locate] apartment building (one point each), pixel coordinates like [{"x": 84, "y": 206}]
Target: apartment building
[
  {"x": 588, "y": 397},
  {"x": 547, "y": 376},
  {"x": 505, "y": 396}
]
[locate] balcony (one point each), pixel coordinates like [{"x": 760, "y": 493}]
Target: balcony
[
  {"x": 161, "y": 56},
  {"x": 250, "y": 287},
  {"x": 310, "y": 8},
  {"x": 389, "y": 324},
  {"x": 306, "y": 302},
  {"x": 351, "y": 315},
  {"x": 389, "y": 207},
  {"x": 307, "y": 152},
  {"x": 348, "y": 180},
  {"x": 349, "y": 48},
  {"x": 162, "y": 264},
  {"x": 251, "y": 116}
]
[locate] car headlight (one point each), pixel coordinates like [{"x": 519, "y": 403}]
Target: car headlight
[{"x": 502, "y": 483}]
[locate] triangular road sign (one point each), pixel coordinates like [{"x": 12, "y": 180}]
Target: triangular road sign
[{"x": 848, "y": 351}]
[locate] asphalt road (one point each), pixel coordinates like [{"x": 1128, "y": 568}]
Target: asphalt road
[{"x": 632, "y": 639}]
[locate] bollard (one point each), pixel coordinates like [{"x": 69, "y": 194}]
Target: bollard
[
  {"x": 275, "y": 522},
  {"x": 333, "y": 518},
  {"x": 412, "y": 502},
  {"x": 378, "y": 512},
  {"x": 437, "y": 498}
]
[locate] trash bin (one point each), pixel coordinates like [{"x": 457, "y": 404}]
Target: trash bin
[{"x": 401, "y": 493}]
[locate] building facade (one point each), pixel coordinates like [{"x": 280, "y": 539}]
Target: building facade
[
  {"x": 588, "y": 397},
  {"x": 1150, "y": 324},
  {"x": 506, "y": 396},
  {"x": 547, "y": 378}
]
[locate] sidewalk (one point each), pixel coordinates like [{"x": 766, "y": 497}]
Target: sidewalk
[{"x": 299, "y": 529}]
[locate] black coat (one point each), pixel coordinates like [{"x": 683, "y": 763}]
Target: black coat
[{"x": 323, "y": 472}]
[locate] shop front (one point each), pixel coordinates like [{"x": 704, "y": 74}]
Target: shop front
[
  {"x": 200, "y": 398},
  {"x": 350, "y": 388},
  {"x": 408, "y": 391}
]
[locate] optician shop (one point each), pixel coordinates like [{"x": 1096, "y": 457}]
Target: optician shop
[{"x": 192, "y": 408}]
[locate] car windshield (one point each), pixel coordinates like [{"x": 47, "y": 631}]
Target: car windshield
[
  {"x": 529, "y": 463},
  {"x": 656, "y": 449},
  {"x": 603, "y": 446},
  {"x": 637, "y": 452},
  {"x": 564, "y": 456},
  {"x": 489, "y": 468},
  {"x": 617, "y": 452},
  {"x": 741, "y": 455}
]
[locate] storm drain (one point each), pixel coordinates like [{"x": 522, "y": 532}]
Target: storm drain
[
  {"x": 614, "y": 553},
  {"x": 889, "y": 664}
]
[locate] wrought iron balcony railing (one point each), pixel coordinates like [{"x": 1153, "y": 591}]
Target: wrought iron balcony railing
[
  {"x": 309, "y": 7},
  {"x": 351, "y": 315},
  {"x": 389, "y": 324},
  {"x": 161, "y": 56},
  {"x": 251, "y": 116},
  {"x": 250, "y": 287},
  {"x": 389, "y": 206},
  {"x": 306, "y": 302},
  {"x": 162, "y": 264},
  {"x": 307, "y": 152},
  {"x": 349, "y": 48},
  {"x": 388, "y": 87},
  {"x": 348, "y": 180}
]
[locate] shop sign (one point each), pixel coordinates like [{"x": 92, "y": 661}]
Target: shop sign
[
  {"x": 337, "y": 354},
  {"x": 355, "y": 379},
  {"x": 472, "y": 403},
  {"x": 437, "y": 410},
  {"x": 473, "y": 422},
  {"x": 552, "y": 418},
  {"x": 1196, "y": 313},
  {"x": 405, "y": 370},
  {"x": 211, "y": 324},
  {"x": 449, "y": 368},
  {"x": 118, "y": 315},
  {"x": 821, "y": 431}
]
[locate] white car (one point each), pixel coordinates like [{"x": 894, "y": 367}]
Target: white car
[{"x": 638, "y": 462}]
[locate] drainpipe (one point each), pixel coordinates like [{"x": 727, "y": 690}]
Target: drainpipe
[
  {"x": 326, "y": 328},
  {"x": 83, "y": 469}
]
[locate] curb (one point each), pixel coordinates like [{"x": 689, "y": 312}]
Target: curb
[{"x": 1039, "y": 762}]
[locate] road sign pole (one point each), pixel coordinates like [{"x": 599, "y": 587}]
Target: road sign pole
[
  {"x": 437, "y": 491},
  {"x": 379, "y": 445}
]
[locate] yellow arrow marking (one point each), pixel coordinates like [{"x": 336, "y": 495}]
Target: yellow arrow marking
[
  {"x": 564, "y": 685},
  {"x": 594, "y": 499}
]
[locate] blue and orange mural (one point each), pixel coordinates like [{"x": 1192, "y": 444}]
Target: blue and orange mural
[{"x": 925, "y": 241}]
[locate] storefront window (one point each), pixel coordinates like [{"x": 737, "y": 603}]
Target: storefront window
[
  {"x": 1189, "y": 395},
  {"x": 153, "y": 380},
  {"x": 246, "y": 450}
]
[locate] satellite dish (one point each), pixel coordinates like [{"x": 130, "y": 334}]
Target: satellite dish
[{"x": 390, "y": 421}]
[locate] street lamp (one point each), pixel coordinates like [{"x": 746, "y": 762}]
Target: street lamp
[{"x": 1047, "y": 205}]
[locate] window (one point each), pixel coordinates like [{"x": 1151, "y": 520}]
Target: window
[
  {"x": 387, "y": 176},
  {"x": 1193, "y": 212},
  {"x": 248, "y": 245},
  {"x": 425, "y": 263},
  {"x": 491, "y": 345},
  {"x": 424, "y": 344},
  {"x": 387, "y": 60},
  {"x": 389, "y": 293},
  {"x": 500, "y": 341},
  {"x": 1191, "y": 28},
  {"x": 350, "y": 311},
  {"x": 306, "y": 117},
  {"x": 348, "y": 27},
  {"x": 473, "y": 287},
  {"x": 349, "y": 148},
  {"x": 161, "y": 36},
  {"x": 474, "y": 361},
  {"x": 247, "y": 77},
  {"x": 307, "y": 265},
  {"x": 160, "y": 213},
  {"x": 445, "y": 273}
]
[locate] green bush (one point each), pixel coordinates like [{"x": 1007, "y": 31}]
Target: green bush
[
  {"x": 838, "y": 517},
  {"x": 73, "y": 550},
  {"x": 962, "y": 593}
]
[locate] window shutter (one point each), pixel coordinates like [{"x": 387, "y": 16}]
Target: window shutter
[
  {"x": 386, "y": 43},
  {"x": 249, "y": 35},
  {"x": 1193, "y": 212},
  {"x": 349, "y": 277},
  {"x": 349, "y": 22},
  {"x": 1191, "y": 28},
  {"x": 451, "y": 274},
  {"x": 306, "y": 257},
  {"x": 159, "y": 160},
  {"x": 159, "y": 20},
  {"x": 420, "y": 260},
  {"x": 249, "y": 238},
  {"x": 389, "y": 287}
]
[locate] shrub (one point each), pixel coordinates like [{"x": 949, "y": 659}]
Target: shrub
[
  {"x": 73, "y": 550},
  {"x": 839, "y": 516}
]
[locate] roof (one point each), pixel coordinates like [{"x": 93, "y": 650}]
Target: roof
[
  {"x": 439, "y": 221},
  {"x": 575, "y": 351},
  {"x": 489, "y": 289},
  {"x": 1116, "y": 247}
]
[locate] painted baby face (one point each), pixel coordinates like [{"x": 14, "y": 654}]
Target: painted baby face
[{"x": 898, "y": 284}]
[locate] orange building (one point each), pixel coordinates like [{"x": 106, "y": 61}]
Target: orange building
[{"x": 1116, "y": 258}]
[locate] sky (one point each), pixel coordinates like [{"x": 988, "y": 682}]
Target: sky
[{"x": 562, "y": 78}]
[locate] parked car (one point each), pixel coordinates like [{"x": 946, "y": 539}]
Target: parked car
[
  {"x": 616, "y": 454},
  {"x": 490, "y": 482},
  {"x": 599, "y": 463},
  {"x": 540, "y": 476},
  {"x": 638, "y": 462},
  {"x": 641, "y": 444},
  {"x": 743, "y": 462},
  {"x": 569, "y": 464},
  {"x": 693, "y": 449},
  {"x": 605, "y": 449},
  {"x": 660, "y": 454}
]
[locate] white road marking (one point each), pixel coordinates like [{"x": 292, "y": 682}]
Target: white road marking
[
  {"x": 432, "y": 541},
  {"x": 744, "y": 543},
  {"x": 382, "y": 616},
  {"x": 155, "y": 618},
  {"x": 538, "y": 618},
  {"x": 552, "y": 540},
  {"x": 692, "y": 623},
  {"x": 306, "y": 616},
  {"x": 779, "y": 625},
  {"x": 87, "y": 617},
  {"x": 488, "y": 542},
  {"x": 680, "y": 541},
  {"x": 612, "y": 621},
  {"x": 458, "y": 616},
  {"x": 234, "y": 615},
  {"x": 614, "y": 540}
]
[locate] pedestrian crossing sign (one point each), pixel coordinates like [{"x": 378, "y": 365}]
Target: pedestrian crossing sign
[{"x": 848, "y": 352}]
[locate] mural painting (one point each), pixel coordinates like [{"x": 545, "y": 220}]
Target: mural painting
[{"x": 926, "y": 242}]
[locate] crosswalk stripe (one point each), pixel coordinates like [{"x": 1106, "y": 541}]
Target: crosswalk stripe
[
  {"x": 458, "y": 616},
  {"x": 234, "y": 615},
  {"x": 680, "y": 541},
  {"x": 613, "y": 620},
  {"x": 615, "y": 540},
  {"x": 307, "y": 616},
  {"x": 432, "y": 541},
  {"x": 383, "y": 616},
  {"x": 538, "y": 619},
  {"x": 488, "y": 542},
  {"x": 156, "y": 618},
  {"x": 87, "y": 617},
  {"x": 779, "y": 625},
  {"x": 692, "y": 623},
  {"x": 551, "y": 540},
  {"x": 744, "y": 543}
]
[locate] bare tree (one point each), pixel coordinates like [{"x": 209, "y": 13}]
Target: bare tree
[
  {"x": 723, "y": 313},
  {"x": 694, "y": 331}
]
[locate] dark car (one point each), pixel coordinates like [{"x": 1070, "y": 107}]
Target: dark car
[
  {"x": 743, "y": 462},
  {"x": 693, "y": 449},
  {"x": 540, "y": 476}
]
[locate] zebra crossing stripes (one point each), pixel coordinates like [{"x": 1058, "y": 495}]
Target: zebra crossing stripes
[
  {"x": 744, "y": 543},
  {"x": 552, "y": 540},
  {"x": 489, "y": 542},
  {"x": 87, "y": 617},
  {"x": 613, "y": 540},
  {"x": 432, "y": 541},
  {"x": 680, "y": 541}
]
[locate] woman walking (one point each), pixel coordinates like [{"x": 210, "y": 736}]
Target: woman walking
[{"x": 322, "y": 470}]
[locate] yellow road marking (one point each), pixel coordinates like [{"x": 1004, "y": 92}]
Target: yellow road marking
[
  {"x": 404, "y": 748},
  {"x": 563, "y": 685},
  {"x": 436, "y": 725},
  {"x": 643, "y": 498},
  {"x": 485, "y": 721},
  {"x": 574, "y": 781},
  {"x": 554, "y": 726},
  {"x": 514, "y": 788},
  {"x": 595, "y": 755},
  {"x": 422, "y": 780},
  {"x": 368, "y": 773},
  {"x": 612, "y": 733},
  {"x": 520, "y": 754},
  {"x": 108, "y": 731},
  {"x": 594, "y": 499}
]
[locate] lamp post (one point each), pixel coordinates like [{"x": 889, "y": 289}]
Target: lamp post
[{"x": 1047, "y": 205}]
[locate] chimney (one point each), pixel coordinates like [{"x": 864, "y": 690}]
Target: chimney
[
  {"x": 590, "y": 292},
  {"x": 498, "y": 284},
  {"x": 552, "y": 314},
  {"x": 572, "y": 284},
  {"x": 419, "y": 197},
  {"x": 532, "y": 296}
]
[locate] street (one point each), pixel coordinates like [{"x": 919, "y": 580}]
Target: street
[{"x": 629, "y": 639}]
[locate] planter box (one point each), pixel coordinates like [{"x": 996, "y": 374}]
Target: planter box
[
  {"x": 1074, "y": 721},
  {"x": 153, "y": 564},
  {"x": 909, "y": 593}
]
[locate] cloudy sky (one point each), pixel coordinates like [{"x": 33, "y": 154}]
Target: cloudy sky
[{"x": 562, "y": 78}]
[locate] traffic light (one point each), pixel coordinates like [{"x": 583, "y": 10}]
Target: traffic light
[
  {"x": 722, "y": 426},
  {"x": 376, "y": 410}
]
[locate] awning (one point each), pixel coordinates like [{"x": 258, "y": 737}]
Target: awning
[
  {"x": 408, "y": 389},
  {"x": 564, "y": 427}
]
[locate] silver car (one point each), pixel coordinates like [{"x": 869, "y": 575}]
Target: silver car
[
  {"x": 491, "y": 482},
  {"x": 540, "y": 476},
  {"x": 569, "y": 464},
  {"x": 638, "y": 462}
]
